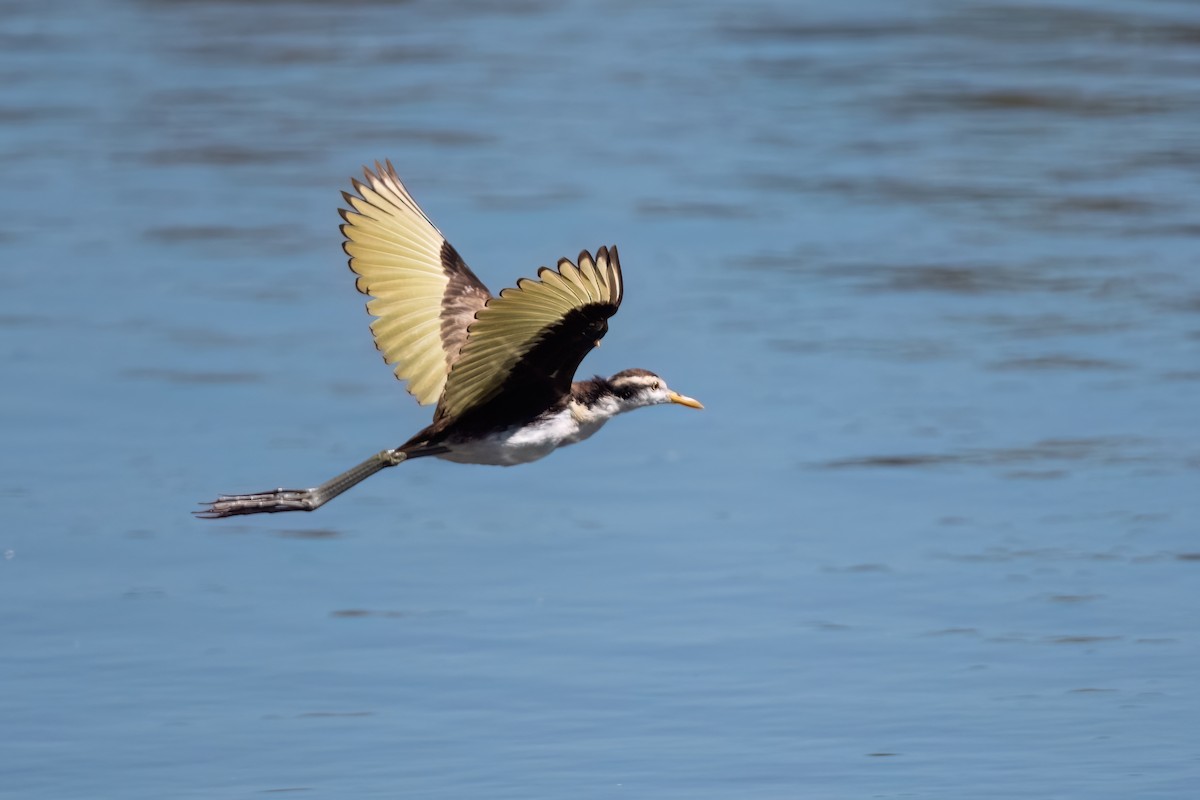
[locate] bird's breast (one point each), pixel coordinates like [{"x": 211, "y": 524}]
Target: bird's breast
[{"x": 521, "y": 444}]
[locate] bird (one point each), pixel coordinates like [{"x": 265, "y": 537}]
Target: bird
[{"x": 500, "y": 368}]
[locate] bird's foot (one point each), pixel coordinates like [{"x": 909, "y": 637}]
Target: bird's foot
[{"x": 230, "y": 505}]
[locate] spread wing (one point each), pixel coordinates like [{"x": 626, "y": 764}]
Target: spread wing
[
  {"x": 531, "y": 339},
  {"x": 425, "y": 296}
]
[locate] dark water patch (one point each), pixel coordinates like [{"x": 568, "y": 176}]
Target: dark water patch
[
  {"x": 279, "y": 238},
  {"x": 694, "y": 210},
  {"x": 1059, "y": 362},
  {"x": 385, "y": 53},
  {"x": 1188, "y": 304},
  {"x": 954, "y": 632},
  {"x": 1039, "y": 23},
  {"x": 893, "y": 461},
  {"x": 344, "y": 7},
  {"x": 229, "y": 47},
  {"x": 309, "y": 533},
  {"x": 1170, "y": 157},
  {"x": 246, "y": 36},
  {"x": 1007, "y": 555},
  {"x": 1101, "y": 450},
  {"x": 780, "y": 28},
  {"x": 207, "y": 338},
  {"x": 355, "y": 613},
  {"x": 1000, "y": 555},
  {"x": 960, "y": 278},
  {"x": 980, "y": 27},
  {"x": 823, "y": 625},
  {"x": 143, "y": 592},
  {"x": 860, "y": 568},
  {"x": 364, "y": 613},
  {"x": 174, "y": 101},
  {"x": 255, "y": 289},
  {"x": 1036, "y": 474},
  {"x": 789, "y": 67},
  {"x": 333, "y": 714},
  {"x": 1091, "y": 690},
  {"x": 948, "y": 195},
  {"x": 1071, "y": 599},
  {"x": 293, "y": 53},
  {"x": 178, "y": 376},
  {"x": 780, "y": 182},
  {"x": 1040, "y": 326},
  {"x": 1104, "y": 205},
  {"x": 1081, "y": 639},
  {"x": 1137, "y": 227},
  {"x": 956, "y": 279},
  {"x": 1008, "y": 638},
  {"x": 225, "y": 155},
  {"x": 27, "y": 38},
  {"x": 550, "y": 197},
  {"x": 191, "y": 233},
  {"x": 441, "y": 137},
  {"x": 1188, "y": 557},
  {"x": 260, "y": 34},
  {"x": 24, "y": 321},
  {"x": 1038, "y": 102},
  {"x": 1180, "y": 230},
  {"x": 31, "y": 115},
  {"x": 801, "y": 261},
  {"x": 895, "y": 349},
  {"x": 361, "y": 613}
]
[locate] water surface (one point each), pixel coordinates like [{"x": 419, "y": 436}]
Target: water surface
[{"x": 931, "y": 267}]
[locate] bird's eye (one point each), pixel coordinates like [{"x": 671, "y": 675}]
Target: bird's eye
[{"x": 656, "y": 385}]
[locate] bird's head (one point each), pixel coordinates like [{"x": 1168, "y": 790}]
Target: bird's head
[{"x": 635, "y": 388}]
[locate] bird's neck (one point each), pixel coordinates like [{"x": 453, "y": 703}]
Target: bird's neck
[{"x": 593, "y": 402}]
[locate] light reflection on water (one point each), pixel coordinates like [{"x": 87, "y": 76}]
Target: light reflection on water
[{"x": 931, "y": 268}]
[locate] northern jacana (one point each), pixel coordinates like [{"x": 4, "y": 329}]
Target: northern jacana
[{"x": 500, "y": 368}]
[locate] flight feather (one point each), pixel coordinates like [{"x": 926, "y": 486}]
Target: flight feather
[
  {"x": 532, "y": 338},
  {"x": 424, "y": 294}
]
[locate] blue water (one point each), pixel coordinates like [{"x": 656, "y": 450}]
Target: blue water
[{"x": 931, "y": 266}]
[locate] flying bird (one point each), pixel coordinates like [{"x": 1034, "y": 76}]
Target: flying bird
[{"x": 500, "y": 368}]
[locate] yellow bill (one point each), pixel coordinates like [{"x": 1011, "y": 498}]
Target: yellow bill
[{"x": 683, "y": 400}]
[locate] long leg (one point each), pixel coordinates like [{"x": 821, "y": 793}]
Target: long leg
[{"x": 229, "y": 505}]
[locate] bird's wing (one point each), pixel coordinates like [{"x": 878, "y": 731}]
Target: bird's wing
[
  {"x": 531, "y": 338},
  {"x": 424, "y": 295}
]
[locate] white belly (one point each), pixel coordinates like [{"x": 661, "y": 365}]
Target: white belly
[{"x": 522, "y": 445}]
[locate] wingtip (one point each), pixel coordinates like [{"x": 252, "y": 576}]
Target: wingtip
[{"x": 607, "y": 253}]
